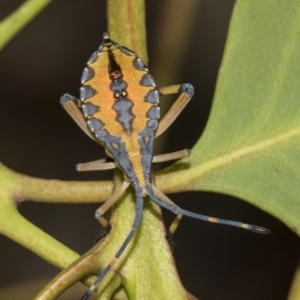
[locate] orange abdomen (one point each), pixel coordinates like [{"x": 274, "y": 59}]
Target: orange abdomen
[{"x": 120, "y": 103}]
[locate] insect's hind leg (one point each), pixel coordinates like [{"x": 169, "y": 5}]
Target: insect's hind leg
[
  {"x": 108, "y": 203},
  {"x": 173, "y": 226},
  {"x": 161, "y": 199},
  {"x": 186, "y": 93},
  {"x": 135, "y": 224},
  {"x": 175, "y": 223}
]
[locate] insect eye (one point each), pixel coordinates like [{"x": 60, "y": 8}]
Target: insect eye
[
  {"x": 124, "y": 94},
  {"x": 117, "y": 95}
]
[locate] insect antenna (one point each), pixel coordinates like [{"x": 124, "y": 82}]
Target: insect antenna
[
  {"x": 177, "y": 210},
  {"x": 135, "y": 224}
]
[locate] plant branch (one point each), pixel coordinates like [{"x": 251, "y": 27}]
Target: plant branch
[
  {"x": 20, "y": 230},
  {"x": 126, "y": 24},
  {"x": 21, "y": 187},
  {"x": 10, "y": 26}
]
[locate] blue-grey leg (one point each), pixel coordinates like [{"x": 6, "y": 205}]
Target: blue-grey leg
[
  {"x": 161, "y": 199},
  {"x": 136, "y": 222},
  {"x": 186, "y": 93}
]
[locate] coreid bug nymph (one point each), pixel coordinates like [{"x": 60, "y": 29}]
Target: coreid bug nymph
[{"x": 119, "y": 108}]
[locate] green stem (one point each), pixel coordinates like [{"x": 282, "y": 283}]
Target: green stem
[
  {"x": 19, "y": 18},
  {"x": 21, "y": 187},
  {"x": 126, "y": 24},
  {"x": 20, "y": 230},
  {"x": 89, "y": 263}
]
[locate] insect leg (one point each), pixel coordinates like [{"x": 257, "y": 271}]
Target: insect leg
[
  {"x": 104, "y": 233},
  {"x": 108, "y": 203},
  {"x": 96, "y": 165},
  {"x": 171, "y": 156},
  {"x": 136, "y": 222},
  {"x": 187, "y": 92},
  {"x": 175, "y": 223},
  {"x": 161, "y": 199},
  {"x": 71, "y": 104}
]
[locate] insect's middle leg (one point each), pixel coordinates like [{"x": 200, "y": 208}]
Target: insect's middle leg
[
  {"x": 103, "y": 164},
  {"x": 96, "y": 165},
  {"x": 171, "y": 156},
  {"x": 108, "y": 203}
]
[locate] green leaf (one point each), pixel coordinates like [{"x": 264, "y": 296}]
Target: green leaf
[{"x": 251, "y": 145}]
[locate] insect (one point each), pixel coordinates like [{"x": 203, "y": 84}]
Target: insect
[{"x": 119, "y": 108}]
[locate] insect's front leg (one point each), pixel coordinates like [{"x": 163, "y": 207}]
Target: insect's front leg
[
  {"x": 186, "y": 91},
  {"x": 72, "y": 105}
]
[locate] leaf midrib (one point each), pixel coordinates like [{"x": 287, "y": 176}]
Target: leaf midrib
[{"x": 199, "y": 170}]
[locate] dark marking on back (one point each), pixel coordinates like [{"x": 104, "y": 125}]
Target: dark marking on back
[
  {"x": 118, "y": 85},
  {"x": 152, "y": 124},
  {"x": 114, "y": 69},
  {"x": 86, "y": 92},
  {"x": 124, "y": 114},
  {"x": 93, "y": 58},
  {"x": 88, "y": 74},
  {"x": 154, "y": 113},
  {"x": 118, "y": 150},
  {"x": 89, "y": 109},
  {"x": 101, "y": 134},
  {"x": 139, "y": 64},
  {"x": 95, "y": 124},
  {"x": 152, "y": 96},
  {"x": 147, "y": 80},
  {"x": 122, "y": 105},
  {"x": 146, "y": 150}
]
